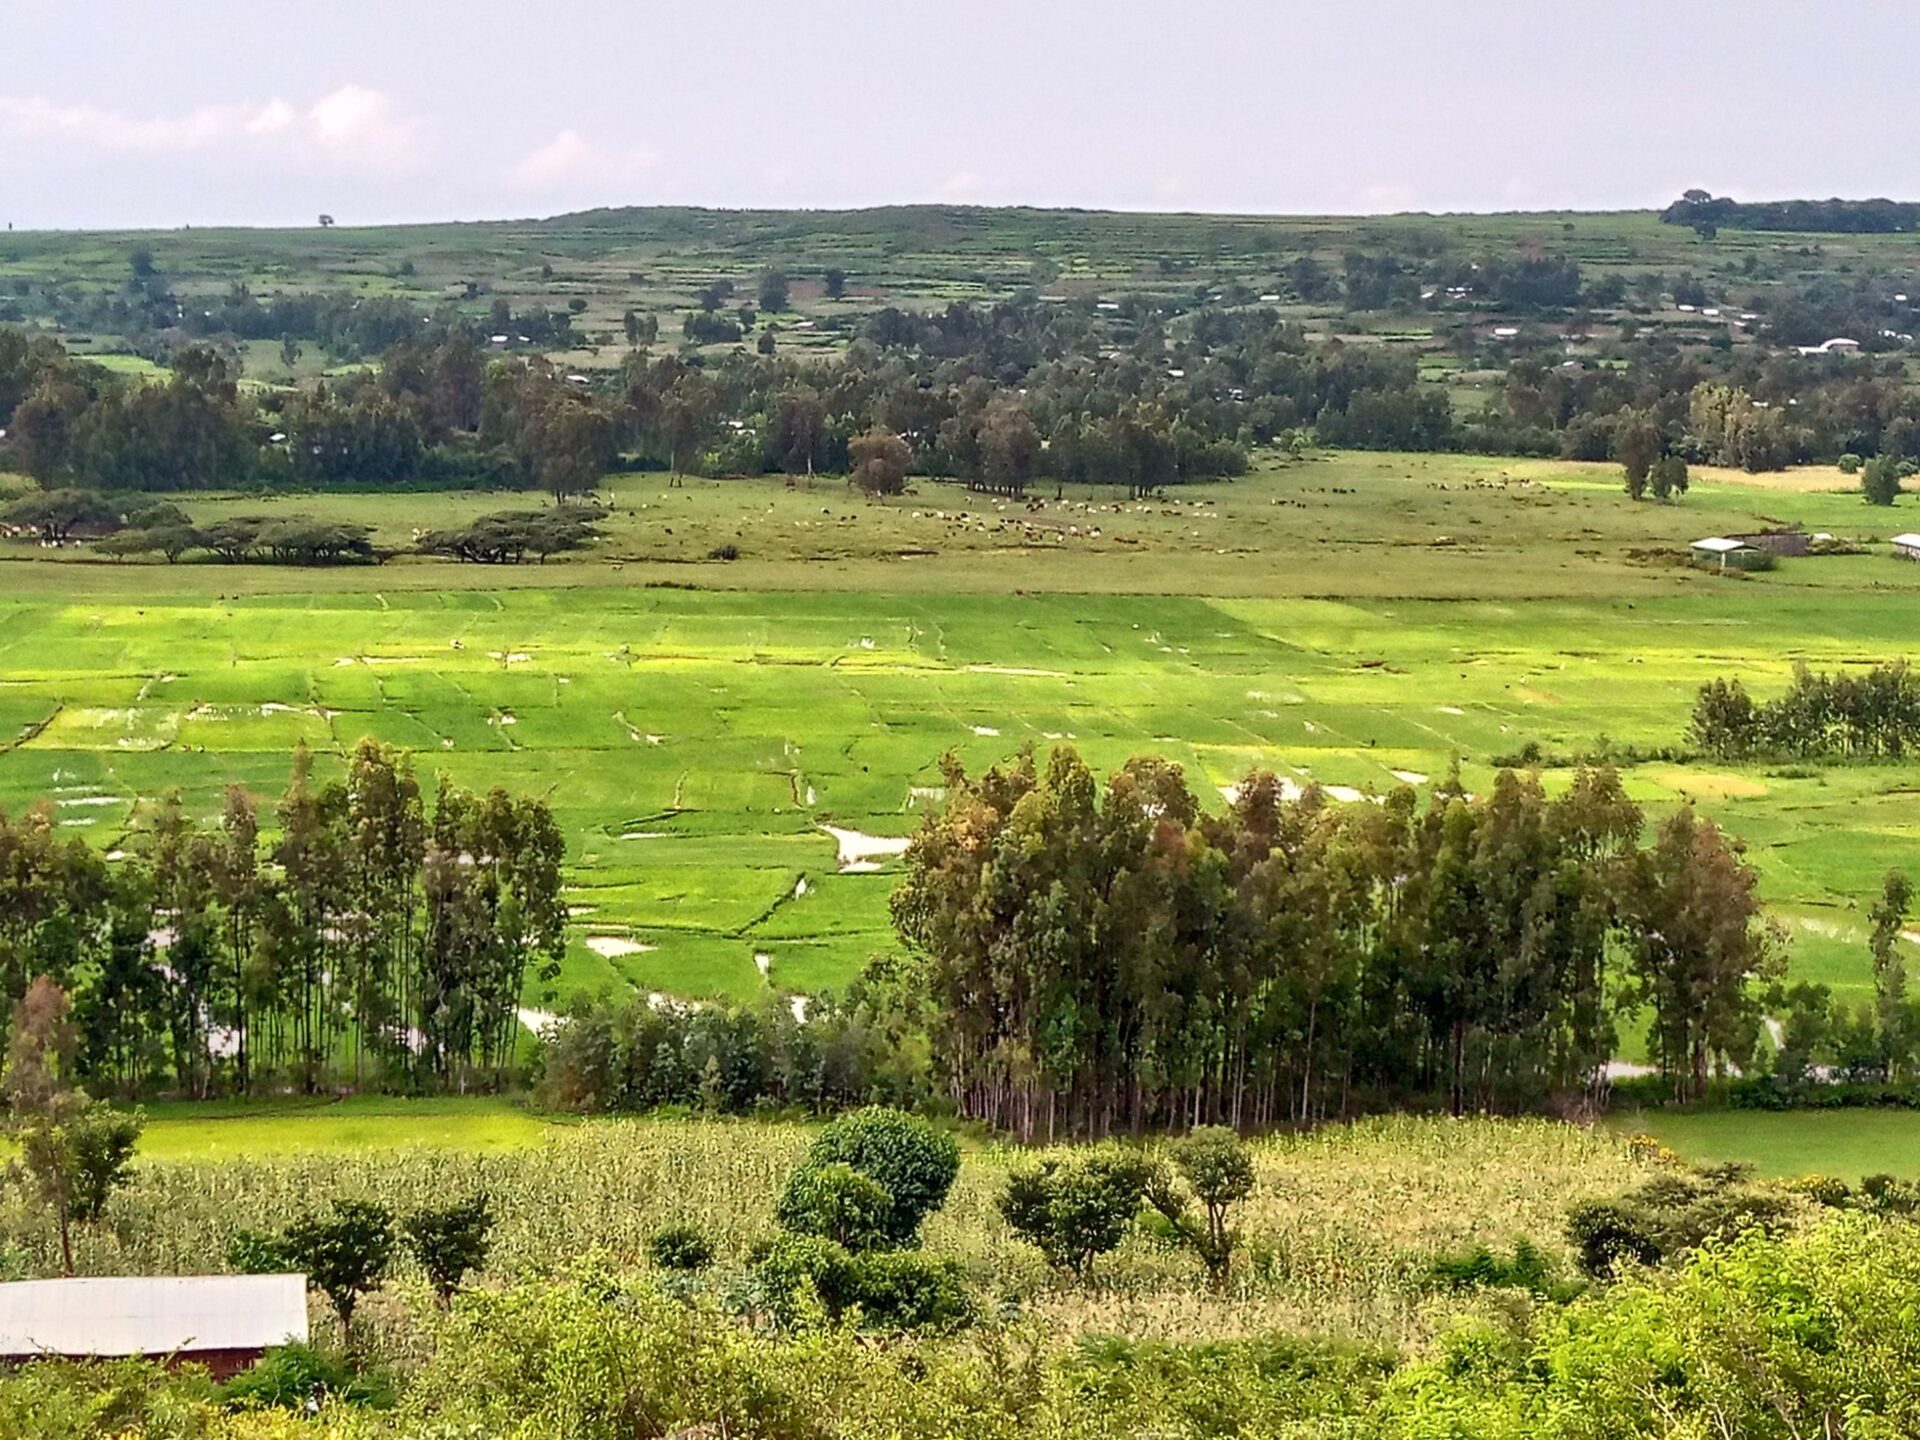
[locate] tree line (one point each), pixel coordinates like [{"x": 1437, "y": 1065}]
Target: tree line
[
  {"x": 1703, "y": 211},
  {"x": 377, "y": 937},
  {"x": 1873, "y": 714},
  {"x": 1103, "y": 959}
]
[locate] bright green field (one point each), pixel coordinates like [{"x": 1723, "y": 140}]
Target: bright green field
[
  {"x": 1843, "y": 1143},
  {"x": 1848, "y": 1143},
  {"x": 220, "y": 1130},
  {"x": 1359, "y": 621}
]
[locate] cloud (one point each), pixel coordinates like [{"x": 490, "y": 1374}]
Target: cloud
[
  {"x": 961, "y": 185},
  {"x": 354, "y": 120},
  {"x": 352, "y": 123},
  {"x": 569, "y": 161}
]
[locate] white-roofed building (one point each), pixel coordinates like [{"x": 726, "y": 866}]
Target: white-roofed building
[
  {"x": 1907, "y": 547},
  {"x": 1724, "y": 553},
  {"x": 224, "y": 1322}
]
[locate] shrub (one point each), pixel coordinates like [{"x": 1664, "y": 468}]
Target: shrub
[
  {"x": 836, "y": 1201},
  {"x": 1824, "y": 1190},
  {"x": 302, "y": 1377},
  {"x": 449, "y": 1243},
  {"x": 1217, "y": 1167},
  {"x": 914, "y": 1162},
  {"x": 680, "y": 1247},
  {"x": 799, "y": 1275},
  {"x": 1880, "y": 480},
  {"x": 1076, "y": 1210},
  {"x": 1849, "y": 463},
  {"x": 1605, "y": 1234},
  {"x": 1889, "y": 1195},
  {"x": 902, "y": 1290},
  {"x": 801, "y": 1278},
  {"x": 1480, "y": 1267},
  {"x": 254, "y": 1252},
  {"x": 1672, "y": 1214}
]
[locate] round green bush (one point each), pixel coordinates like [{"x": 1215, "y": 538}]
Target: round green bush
[
  {"x": 915, "y": 1162},
  {"x": 836, "y": 1201},
  {"x": 794, "y": 1273},
  {"x": 680, "y": 1247}
]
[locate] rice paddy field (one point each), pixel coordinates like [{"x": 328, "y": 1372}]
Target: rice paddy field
[{"x": 738, "y": 750}]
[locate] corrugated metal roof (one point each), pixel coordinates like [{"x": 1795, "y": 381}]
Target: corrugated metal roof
[
  {"x": 160, "y": 1315},
  {"x": 1720, "y": 545}
]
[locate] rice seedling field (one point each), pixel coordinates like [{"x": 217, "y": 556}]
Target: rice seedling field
[
  {"x": 1336, "y": 1231},
  {"x": 738, "y": 751}
]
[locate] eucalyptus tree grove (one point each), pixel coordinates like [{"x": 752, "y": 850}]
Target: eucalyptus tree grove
[
  {"x": 362, "y": 933},
  {"x": 1118, "y": 959}
]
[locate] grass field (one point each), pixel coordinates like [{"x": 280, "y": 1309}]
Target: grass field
[
  {"x": 223, "y": 1130},
  {"x": 1358, "y": 620},
  {"x": 1843, "y": 1143}
]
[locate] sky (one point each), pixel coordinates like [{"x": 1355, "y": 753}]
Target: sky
[{"x": 128, "y": 113}]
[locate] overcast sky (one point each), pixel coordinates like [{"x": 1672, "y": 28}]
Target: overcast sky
[{"x": 128, "y": 112}]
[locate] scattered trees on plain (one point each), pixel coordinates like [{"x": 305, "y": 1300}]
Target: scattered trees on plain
[
  {"x": 508, "y": 537},
  {"x": 1880, "y": 478},
  {"x": 879, "y": 463}
]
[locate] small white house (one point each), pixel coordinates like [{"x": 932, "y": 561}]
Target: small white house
[
  {"x": 1727, "y": 554},
  {"x": 1907, "y": 547},
  {"x": 225, "y": 1322}
]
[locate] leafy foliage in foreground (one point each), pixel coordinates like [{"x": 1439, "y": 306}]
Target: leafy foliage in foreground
[{"x": 1764, "y": 1338}]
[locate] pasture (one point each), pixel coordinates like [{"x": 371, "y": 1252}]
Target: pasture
[
  {"x": 336, "y": 1125},
  {"x": 703, "y": 728},
  {"x": 1846, "y": 1144}
]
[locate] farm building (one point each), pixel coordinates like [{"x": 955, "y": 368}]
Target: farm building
[
  {"x": 224, "y": 1322},
  {"x": 1723, "y": 552},
  {"x": 1779, "y": 542},
  {"x": 1838, "y": 345},
  {"x": 1907, "y": 547}
]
